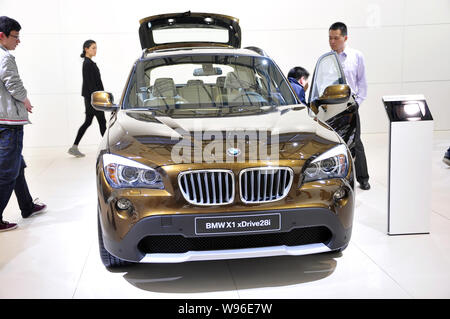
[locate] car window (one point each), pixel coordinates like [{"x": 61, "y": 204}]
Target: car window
[
  {"x": 210, "y": 81},
  {"x": 327, "y": 73},
  {"x": 164, "y": 36},
  {"x": 183, "y": 73}
]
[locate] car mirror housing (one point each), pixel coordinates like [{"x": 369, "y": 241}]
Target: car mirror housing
[
  {"x": 103, "y": 101},
  {"x": 334, "y": 94}
]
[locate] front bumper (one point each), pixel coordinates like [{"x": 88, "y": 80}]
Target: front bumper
[
  {"x": 176, "y": 229},
  {"x": 311, "y": 221}
]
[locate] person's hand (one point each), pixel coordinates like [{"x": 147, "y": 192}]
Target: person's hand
[{"x": 28, "y": 105}]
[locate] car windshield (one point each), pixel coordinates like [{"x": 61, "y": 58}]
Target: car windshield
[{"x": 179, "y": 85}]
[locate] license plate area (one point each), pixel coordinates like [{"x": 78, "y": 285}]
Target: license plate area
[{"x": 237, "y": 224}]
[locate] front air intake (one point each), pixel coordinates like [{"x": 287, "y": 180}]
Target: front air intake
[
  {"x": 207, "y": 187},
  {"x": 265, "y": 184}
]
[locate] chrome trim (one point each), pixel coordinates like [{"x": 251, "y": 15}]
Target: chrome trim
[
  {"x": 244, "y": 192},
  {"x": 236, "y": 253},
  {"x": 203, "y": 197}
]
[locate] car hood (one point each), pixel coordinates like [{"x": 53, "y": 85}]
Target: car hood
[{"x": 150, "y": 139}]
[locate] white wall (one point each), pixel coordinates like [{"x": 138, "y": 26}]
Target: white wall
[{"x": 405, "y": 42}]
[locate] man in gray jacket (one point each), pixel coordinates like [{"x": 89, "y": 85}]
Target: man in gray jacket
[{"x": 14, "y": 108}]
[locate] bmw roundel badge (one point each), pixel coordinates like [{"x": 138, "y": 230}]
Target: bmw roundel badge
[{"x": 233, "y": 151}]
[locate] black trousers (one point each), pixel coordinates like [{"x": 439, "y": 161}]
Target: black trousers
[
  {"x": 90, "y": 113},
  {"x": 362, "y": 174},
  {"x": 12, "y": 170}
]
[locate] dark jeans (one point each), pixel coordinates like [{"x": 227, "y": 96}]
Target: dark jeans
[
  {"x": 90, "y": 113},
  {"x": 362, "y": 174},
  {"x": 12, "y": 170}
]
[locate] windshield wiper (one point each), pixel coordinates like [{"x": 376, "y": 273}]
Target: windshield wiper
[
  {"x": 244, "y": 108},
  {"x": 146, "y": 108}
]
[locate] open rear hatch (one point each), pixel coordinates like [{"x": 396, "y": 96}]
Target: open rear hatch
[{"x": 175, "y": 30}]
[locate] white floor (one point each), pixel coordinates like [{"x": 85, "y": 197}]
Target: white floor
[{"x": 55, "y": 255}]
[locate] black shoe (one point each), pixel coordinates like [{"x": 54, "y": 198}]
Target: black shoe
[
  {"x": 446, "y": 159},
  {"x": 38, "y": 208},
  {"x": 5, "y": 226},
  {"x": 364, "y": 185}
]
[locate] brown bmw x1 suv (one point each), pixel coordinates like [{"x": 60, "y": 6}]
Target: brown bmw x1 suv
[{"x": 210, "y": 155}]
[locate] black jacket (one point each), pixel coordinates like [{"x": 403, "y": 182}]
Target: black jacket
[{"x": 91, "y": 78}]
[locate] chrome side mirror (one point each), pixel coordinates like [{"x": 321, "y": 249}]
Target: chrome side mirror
[{"x": 103, "y": 101}]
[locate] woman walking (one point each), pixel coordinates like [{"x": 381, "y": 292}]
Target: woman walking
[{"x": 91, "y": 82}]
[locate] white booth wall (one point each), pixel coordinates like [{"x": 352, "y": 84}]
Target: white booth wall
[{"x": 405, "y": 43}]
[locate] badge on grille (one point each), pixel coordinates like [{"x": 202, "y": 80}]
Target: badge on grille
[{"x": 233, "y": 151}]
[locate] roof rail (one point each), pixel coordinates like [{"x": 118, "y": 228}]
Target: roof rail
[{"x": 257, "y": 50}]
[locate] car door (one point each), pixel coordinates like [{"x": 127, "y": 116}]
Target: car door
[{"x": 330, "y": 97}]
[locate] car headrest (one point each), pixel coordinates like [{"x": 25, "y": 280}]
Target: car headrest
[
  {"x": 194, "y": 82},
  {"x": 220, "y": 81},
  {"x": 232, "y": 81},
  {"x": 164, "y": 87}
]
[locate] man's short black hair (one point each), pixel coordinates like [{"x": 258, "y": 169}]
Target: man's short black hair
[
  {"x": 297, "y": 72},
  {"x": 7, "y": 25},
  {"x": 339, "y": 26}
]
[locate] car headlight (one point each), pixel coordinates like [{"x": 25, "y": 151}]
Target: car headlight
[
  {"x": 122, "y": 172},
  {"x": 333, "y": 163}
]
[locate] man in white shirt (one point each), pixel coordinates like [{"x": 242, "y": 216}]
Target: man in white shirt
[{"x": 352, "y": 62}]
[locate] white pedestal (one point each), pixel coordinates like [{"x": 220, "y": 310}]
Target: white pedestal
[{"x": 409, "y": 185}]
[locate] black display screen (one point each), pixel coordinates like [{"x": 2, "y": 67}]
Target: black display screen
[{"x": 409, "y": 110}]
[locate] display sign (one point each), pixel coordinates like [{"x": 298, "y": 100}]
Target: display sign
[{"x": 401, "y": 108}]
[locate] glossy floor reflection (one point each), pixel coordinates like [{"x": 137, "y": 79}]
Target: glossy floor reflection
[{"x": 56, "y": 255}]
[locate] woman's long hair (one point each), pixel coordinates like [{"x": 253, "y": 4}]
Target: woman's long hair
[{"x": 86, "y": 45}]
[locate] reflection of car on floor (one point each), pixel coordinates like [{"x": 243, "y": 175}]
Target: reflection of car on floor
[{"x": 209, "y": 155}]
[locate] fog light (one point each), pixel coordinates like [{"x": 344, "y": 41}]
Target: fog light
[
  {"x": 339, "y": 194},
  {"x": 124, "y": 204}
]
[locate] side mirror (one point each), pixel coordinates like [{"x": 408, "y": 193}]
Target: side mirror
[
  {"x": 334, "y": 94},
  {"x": 103, "y": 101}
]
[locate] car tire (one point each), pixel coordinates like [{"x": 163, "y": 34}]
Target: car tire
[{"x": 109, "y": 261}]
